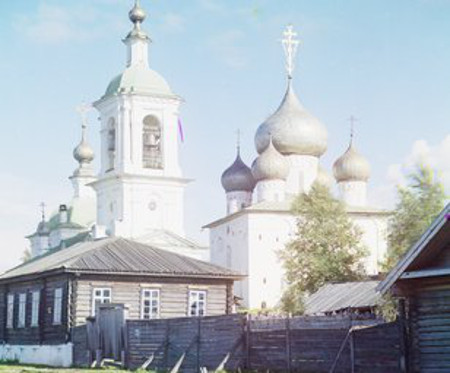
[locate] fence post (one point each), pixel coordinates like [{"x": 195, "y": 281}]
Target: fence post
[
  {"x": 288, "y": 343},
  {"x": 352, "y": 352},
  {"x": 247, "y": 341}
]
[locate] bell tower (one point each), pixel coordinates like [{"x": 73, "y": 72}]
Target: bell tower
[{"x": 140, "y": 187}]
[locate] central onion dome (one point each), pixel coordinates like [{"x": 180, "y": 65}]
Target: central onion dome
[
  {"x": 270, "y": 164},
  {"x": 351, "y": 166},
  {"x": 238, "y": 177},
  {"x": 293, "y": 129}
]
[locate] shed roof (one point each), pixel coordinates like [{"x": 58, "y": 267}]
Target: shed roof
[
  {"x": 341, "y": 296},
  {"x": 120, "y": 256}
]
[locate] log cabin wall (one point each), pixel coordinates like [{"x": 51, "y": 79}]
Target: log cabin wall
[
  {"x": 46, "y": 331},
  {"x": 174, "y": 294}
]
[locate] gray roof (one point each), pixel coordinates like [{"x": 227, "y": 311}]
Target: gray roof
[
  {"x": 120, "y": 256},
  {"x": 342, "y": 296}
]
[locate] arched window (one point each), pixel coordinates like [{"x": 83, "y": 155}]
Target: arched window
[
  {"x": 151, "y": 143},
  {"x": 111, "y": 144}
]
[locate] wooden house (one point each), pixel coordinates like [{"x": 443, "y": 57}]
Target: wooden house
[
  {"x": 42, "y": 300},
  {"x": 421, "y": 280}
]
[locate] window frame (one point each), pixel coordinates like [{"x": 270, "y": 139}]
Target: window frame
[
  {"x": 35, "y": 307},
  {"x": 57, "y": 306},
  {"x": 102, "y": 297},
  {"x": 151, "y": 298},
  {"x": 196, "y": 293},
  {"x": 22, "y": 311},
  {"x": 10, "y": 311}
]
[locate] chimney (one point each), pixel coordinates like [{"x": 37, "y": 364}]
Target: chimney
[{"x": 63, "y": 217}]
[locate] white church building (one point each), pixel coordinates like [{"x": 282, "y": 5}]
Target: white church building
[
  {"x": 259, "y": 221},
  {"x": 138, "y": 192}
]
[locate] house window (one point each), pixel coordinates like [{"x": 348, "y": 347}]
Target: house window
[
  {"x": 57, "y": 306},
  {"x": 150, "y": 304},
  {"x": 197, "y": 303},
  {"x": 10, "y": 312},
  {"x": 35, "y": 299},
  {"x": 100, "y": 296},
  {"x": 22, "y": 310}
]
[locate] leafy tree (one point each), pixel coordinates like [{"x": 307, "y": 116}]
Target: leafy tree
[
  {"x": 418, "y": 205},
  {"x": 327, "y": 247}
]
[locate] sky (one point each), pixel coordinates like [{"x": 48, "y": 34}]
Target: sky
[{"x": 385, "y": 62}]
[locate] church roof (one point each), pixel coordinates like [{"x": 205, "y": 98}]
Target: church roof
[
  {"x": 342, "y": 296},
  {"x": 119, "y": 256},
  {"x": 285, "y": 207}
]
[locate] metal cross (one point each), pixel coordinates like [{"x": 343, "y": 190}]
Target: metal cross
[
  {"x": 238, "y": 139},
  {"x": 83, "y": 109},
  {"x": 42, "y": 206},
  {"x": 290, "y": 44},
  {"x": 352, "y": 121}
]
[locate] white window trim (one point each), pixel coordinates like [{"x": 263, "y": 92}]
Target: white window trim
[
  {"x": 151, "y": 298},
  {"x": 197, "y": 292},
  {"x": 10, "y": 312},
  {"x": 102, "y": 289},
  {"x": 57, "y": 306},
  {"x": 22, "y": 316},
  {"x": 35, "y": 305}
]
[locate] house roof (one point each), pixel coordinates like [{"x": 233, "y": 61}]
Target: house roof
[
  {"x": 342, "y": 296},
  {"x": 432, "y": 241},
  {"x": 285, "y": 207},
  {"x": 120, "y": 256}
]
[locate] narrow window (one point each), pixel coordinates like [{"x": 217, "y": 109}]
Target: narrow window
[
  {"x": 150, "y": 304},
  {"x": 35, "y": 299},
  {"x": 22, "y": 310},
  {"x": 111, "y": 144},
  {"x": 10, "y": 312},
  {"x": 197, "y": 303},
  {"x": 100, "y": 296},
  {"x": 57, "y": 306},
  {"x": 151, "y": 143}
]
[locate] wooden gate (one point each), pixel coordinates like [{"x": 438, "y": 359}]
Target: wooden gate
[{"x": 106, "y": 333}]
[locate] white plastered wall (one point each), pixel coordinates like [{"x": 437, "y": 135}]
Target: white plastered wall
[{"x": 51, "y": 355}]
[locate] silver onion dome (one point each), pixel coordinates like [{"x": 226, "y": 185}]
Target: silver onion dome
[
  {"x": 238, "y": 177},
  {"x": 43, "y": 229},
  {"x": 323, "y": 177},
  {"x": 270, "y": 164},
  {"x": 137, "y": 14},
  {"x": 293, "y": 129},
  {"x": 351, "y": 166},
  {"x": 83, "y": 153}
]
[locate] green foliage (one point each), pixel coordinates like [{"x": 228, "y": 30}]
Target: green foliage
[
  {"x": 327, "y": 247},
  {"x": 387, "y": 307},
  {"x": 418, "y": 205}
]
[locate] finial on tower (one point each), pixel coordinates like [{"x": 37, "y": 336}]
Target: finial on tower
[
  {"x": 238, "y": 140},
  {"x": 42, "y": 206},
  {"x": 83, "y": 153},
  {"x": 290, "y": 44},
  {"x": 137, "y": 14},
  {"x": 352, "y": 121}
]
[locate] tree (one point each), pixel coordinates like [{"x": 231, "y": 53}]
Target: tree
[
  {"x": 419, "y": 203},
  {"x": 327, "y": 247}
]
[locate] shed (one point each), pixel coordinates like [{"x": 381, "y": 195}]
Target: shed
[{"x": 421, "y": 280}]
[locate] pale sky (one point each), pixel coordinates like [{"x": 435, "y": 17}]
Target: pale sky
[{"x": 385, "y": 62}]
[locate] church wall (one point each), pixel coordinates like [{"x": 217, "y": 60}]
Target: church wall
[
  {"x": 229, "y": 249},
  {"x": 374, "y": 229},
  {"x": 268, "y": 233}
]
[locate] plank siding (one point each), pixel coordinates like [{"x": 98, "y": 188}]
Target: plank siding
[{"x": 173, "y": 296}]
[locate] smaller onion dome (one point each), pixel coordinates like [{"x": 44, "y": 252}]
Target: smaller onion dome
[
  {"x": 137, "y": 14},
  {"x": 270, "y": 165},
  {"x": 238, "y": 177},
  {"x": 323, "y": 177},
  {"x": 351, "y": 166},
  {"x": 43, "y": 229},
  {"x": 83, "y": 153}
]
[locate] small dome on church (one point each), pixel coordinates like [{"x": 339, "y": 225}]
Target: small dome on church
[
  {"x": 351, "y": 166},
  {"x": 293, "y": 129},
  {"x": 238, "y": 177},
  {"x": 138, "y": 79},
  {"x": 270, "y": 165},
  {"x": 43, "y": 228},
  {"x": 83, "y": 153},
  {"x": 323, "y": 177},
  {"x": 137, "y": 14}
]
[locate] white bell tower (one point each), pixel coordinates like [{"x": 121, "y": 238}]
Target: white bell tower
[{"x": 140, "y": 187}]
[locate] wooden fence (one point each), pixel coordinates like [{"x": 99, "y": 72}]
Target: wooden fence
[{"x": 299, "y": 344}]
